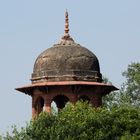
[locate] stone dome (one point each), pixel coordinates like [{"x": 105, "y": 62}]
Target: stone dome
[{"x": 66, "y": 61}]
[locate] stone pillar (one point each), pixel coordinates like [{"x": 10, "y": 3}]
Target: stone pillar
[
  {"x": 33, "y": 109},
  {"x": 48, "y": 105},
  {"x": 33, "y": 112},
  {"x": 96, "y": 101},
  {"x": 73, "y": 98}
]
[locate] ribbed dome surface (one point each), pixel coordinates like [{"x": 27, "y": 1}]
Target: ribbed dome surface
[{"x": 66, "y": 61}]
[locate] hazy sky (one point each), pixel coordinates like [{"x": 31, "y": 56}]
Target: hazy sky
[{"x": 109, "y": 28}]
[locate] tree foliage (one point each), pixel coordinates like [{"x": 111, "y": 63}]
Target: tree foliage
[
  {"x": 83, "y": 122},
  {"x": 130, "y": 90},
  {"x": 132, "y": 85}
]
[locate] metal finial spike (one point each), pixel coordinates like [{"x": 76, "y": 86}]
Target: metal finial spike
[{"x": 66, "y": 34}]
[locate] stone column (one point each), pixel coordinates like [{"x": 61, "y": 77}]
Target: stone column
[
  {"x": 97, "y": 101},
  {"x": 33, "y": 112},
  {"x": 48, "y": 105},
  {"x": 33, "y": 109},
  {"x": 73, "y": 98}
]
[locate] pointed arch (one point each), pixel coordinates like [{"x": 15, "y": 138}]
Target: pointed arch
[{"x": 60, "y": 101}]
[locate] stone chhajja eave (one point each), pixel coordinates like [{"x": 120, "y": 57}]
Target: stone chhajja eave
[{"x": 28, "y": 89}]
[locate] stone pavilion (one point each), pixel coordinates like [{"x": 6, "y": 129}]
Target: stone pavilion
[{"x": 65, "y": 72}]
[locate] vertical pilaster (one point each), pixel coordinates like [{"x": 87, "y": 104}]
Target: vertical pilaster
[
  {"x": 33, "y": 109},
  {"x": 48, "y": 105},
  {"x": 96, "y": 101},
  {"x": 73, "y": 98}
]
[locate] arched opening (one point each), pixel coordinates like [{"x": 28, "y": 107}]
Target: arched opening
[
  {"x": 39, "y": 105},
  {"x": 84, "y": 98},
  {"x": 59, "y": 102}
]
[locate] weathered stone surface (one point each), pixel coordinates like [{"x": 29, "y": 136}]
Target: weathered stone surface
[{"x": 66, "y": 61}]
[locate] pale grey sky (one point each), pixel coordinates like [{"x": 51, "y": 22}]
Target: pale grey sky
[{"x": 110, "y": 29}]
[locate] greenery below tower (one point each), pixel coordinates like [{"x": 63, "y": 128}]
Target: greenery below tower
[{"x": 83, "y": 122}]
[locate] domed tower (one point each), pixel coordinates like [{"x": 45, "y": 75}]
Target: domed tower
[{"x": 65, "y": 72}]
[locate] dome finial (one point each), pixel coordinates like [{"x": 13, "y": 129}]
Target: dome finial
[
  {"x": 66, "y": 39},
  {"x": 66, "y": 33}
]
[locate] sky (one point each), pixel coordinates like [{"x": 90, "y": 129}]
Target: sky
[{"x": 109, "y": 28}]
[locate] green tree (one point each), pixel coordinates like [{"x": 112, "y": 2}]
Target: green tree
[
  {"x": 131, "y": 88},
  {"x": 83, "y": 122}
]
